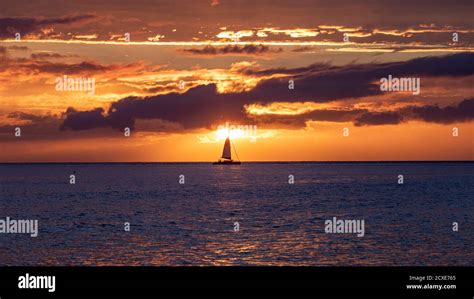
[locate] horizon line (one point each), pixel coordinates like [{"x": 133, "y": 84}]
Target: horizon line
[{"x": 248, "y": 162}]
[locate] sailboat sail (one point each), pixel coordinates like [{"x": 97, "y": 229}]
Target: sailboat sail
[
  {"x": 226, "y": 154},
  {"x": 226, "y": 158}
]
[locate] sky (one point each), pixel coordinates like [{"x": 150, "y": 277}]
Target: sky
[{"x": 286, "y": 80}]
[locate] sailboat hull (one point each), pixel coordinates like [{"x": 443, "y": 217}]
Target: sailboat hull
[{"x": 226, "y": 163}]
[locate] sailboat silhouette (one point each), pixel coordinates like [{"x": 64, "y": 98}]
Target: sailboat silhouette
[{"x": 226, "y": 158}]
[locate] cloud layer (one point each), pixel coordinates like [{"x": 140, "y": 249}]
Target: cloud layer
[
  {"x": 10, "y": 26},
  {"x": 233, "y": 50},
  {"x": 203, "y": 106}
]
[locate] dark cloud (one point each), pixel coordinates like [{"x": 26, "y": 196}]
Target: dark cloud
[
  {"x": 378, "y": 118},
  {"x": 303, "y": 49},
  {"x": 357, "y": 80},
  {"x": 45, "y": 127},
  {"x": 10, "y": 26},
  {"x": 32, "y": 125},
  {"x": 462, "y": 112},
  {"x": 199, "y": 107},
  {"x": 199, "y": 111},
  {"x": 203, "y": 106},
  {"x": 48, "y": 55},
  {"x": 84, "y": 120},
  {"x": 301, "y": 71},
  {"x": 447, "y": 115},
  {"x": 37, "y": 63},
  {"x": 75, "y": 68},
  {"x": 299, "y": 121},
  {"x": 233, "y": 50}
]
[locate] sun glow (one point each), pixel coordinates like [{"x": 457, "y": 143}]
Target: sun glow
[{"x": 223, "y": 133}]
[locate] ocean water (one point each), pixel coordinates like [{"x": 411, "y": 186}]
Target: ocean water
[{"x": 280, "y": 223}]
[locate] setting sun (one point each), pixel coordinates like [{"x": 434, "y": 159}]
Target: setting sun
[{"x": 223, "y": 133}]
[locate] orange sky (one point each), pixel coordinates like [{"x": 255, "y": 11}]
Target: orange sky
[
  {"x": 324, "y": 142},
  {"x": 175, "y": 83}
]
